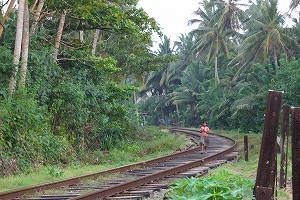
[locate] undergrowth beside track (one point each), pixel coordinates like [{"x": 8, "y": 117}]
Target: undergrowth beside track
[
  {"x": 149, "y": 144},
  {"x": 243, "y": 172}
]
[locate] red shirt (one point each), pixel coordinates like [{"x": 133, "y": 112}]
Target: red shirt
[{"x": 204, "y": 130}]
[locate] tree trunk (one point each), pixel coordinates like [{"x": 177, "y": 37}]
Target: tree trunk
[
  {"x": 17, "y": 50},
  {"x": 59, "y": 34},
  {"x": 135, "y": 98},
  {"x": 81, "y": 36},
  {"x": 25, "y": 47},
  {"x": 36, "y": 17},
  {"x": 6, "y": 16},
  {"x": 216, "y": 70},
  {"x": 96, "y": 38},
  {"x": 275, "y": 60},
  {"x": 33, "y": 5},
  {"x": 239, "y": 72}
]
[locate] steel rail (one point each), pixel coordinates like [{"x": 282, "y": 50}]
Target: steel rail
[
  {"x": 103, "y": 193},
  {"x": 56, "y": 184}
]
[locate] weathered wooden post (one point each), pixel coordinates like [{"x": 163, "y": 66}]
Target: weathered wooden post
[
  {"x": 265, "y": 180},
  {"x": 246, "y": 147},
  {"x": 286, "y": 160},
  {"x": 284, "y": 133},
  {"x": 296, "y": 153}
]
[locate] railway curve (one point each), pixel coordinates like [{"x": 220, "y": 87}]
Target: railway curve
[{"x": 138, "y": 180}]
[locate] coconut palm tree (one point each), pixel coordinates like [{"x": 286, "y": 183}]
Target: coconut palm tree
[
  {"x": 294, "y": 4},
  {"x": 157, "y": 81},
  {"x": 211, "y": 39},
  {"x": 165, "y": 47},
  {"x": 184, "y": 50},
  {"x": 229, "y": 14},
  {"x": 266, "y": 39},
  {"x": 188, "y": 96},
  {"x": 194, "y": 83}
]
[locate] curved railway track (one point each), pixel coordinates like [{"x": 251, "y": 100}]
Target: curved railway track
[{"x": 138, "y": 180}]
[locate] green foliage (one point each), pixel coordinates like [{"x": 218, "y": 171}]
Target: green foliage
[
  {"x": 4, "y": 63},
  {"x": 55, "y": 172},
  {"x": 56, "y": 149},
  {"x": 231, "y": 104},
  {"x": 219, "y": 186},
  {"x": 83, "y": 102},
  {"x": 287, "y": 79},
  {"x": 79, "y": 102},
  {"x": 252, "y": 52},
  {"x": 157, "y": 142},
  {"x": 133, "y": 56},
  {"x": 25, "y": 133},
  {"x": 157, "y": 109},
  {"x": 150, "y": 141}
]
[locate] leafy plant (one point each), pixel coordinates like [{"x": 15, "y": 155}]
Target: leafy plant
[
  {"x": 55, "y": 172},
  {"x": 219, "y": 186}
]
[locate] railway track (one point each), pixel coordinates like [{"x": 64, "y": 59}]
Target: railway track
[{"x": 137, "y": 181}]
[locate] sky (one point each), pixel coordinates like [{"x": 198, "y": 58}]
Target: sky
[{"x": 173, "y": 15}]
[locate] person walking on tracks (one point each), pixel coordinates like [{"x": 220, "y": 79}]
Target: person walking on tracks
[{"x": 204, "y": 130}]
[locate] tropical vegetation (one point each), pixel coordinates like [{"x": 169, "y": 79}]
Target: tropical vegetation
[
  {"x": 224, "y": 68},
  {"x": 149, "y": 144},
  {"x": 67, "y": 78},
  {"x": 78, "y": 77}
]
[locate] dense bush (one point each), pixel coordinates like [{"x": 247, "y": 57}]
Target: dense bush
[
  {"x": 25, "y": 133},
  {"x": 149, "y": 141},
  {"x": 48, "y": 127},
  {"x": 67, "y": 107},
  {"x": 156, "y": 107},
  {"x": 287, "y": 79}
]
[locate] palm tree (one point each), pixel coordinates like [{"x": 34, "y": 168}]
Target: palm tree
[
  {"x": 293, "y": 32},
  {"x": 294, "y": 4},
  {"x": 165, "y": 46},
  {"x": 229, "y": 14},
  {"x": 266, "y": 38},
  {"x": 191, "y": 92},
  {"x": 211, "y": 39},
  {"x": 159, "y": 81},
  {"x": 194, "y": 84},
  {"x": 184, "y": 50}
]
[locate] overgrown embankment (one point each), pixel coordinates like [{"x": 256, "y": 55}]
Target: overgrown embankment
[
  {"x": 149, "y": 143},
  {"x": 64, "y": 97}
]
